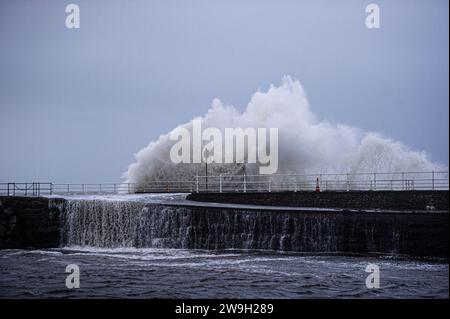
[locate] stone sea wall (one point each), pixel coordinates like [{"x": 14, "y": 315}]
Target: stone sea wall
[
  {"x": 390, "y": 200},
  {"x": 28, "y": 222},
  {"x": 32, "y": 222}
]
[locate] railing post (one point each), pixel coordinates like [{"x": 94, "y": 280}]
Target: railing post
[
  {"x": 196, "y": 182},
  {"x": 403, "y": 180},
  {"x": 115, "y": 188},
  {"x": 51, "y": 188},
  {"x": 432, "y": 181},
  {"x": 128, "y": 188},
  {"x": 245, "y": 185},
  {"x": 374, "y": 181},
  {"x": 220, "y": 183},
  {"x": 270, "y": 185},
  {"x": 348, "y": 184},
  {"x": 26, "y": 189}
]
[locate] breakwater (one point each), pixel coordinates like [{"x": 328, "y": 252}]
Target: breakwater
[
  {"x": 40, "y": 222},
  {"x": 385, "y": 200}
]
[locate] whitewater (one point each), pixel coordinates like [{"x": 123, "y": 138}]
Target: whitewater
[{"x": 306, "y": 144}]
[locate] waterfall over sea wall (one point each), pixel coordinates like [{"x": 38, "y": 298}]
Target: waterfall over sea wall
[
  {"x": 134, "y": 224},
  {"x": 102, "y": 223}
]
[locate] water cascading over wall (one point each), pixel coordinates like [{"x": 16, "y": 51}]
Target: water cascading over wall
[{"x": 132, "y": 224}]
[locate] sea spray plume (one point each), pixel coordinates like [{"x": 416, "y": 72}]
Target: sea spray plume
[{"x": 306, "y": 145}]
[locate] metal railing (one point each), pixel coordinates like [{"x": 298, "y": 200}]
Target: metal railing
[
  {"x": 324, "y": 182},
  {"x": 125, "y": 188},
  {"x": 42, "y": 189},
  {"x": 25, "y": 189},
  {"x": 404, "y": 181}
]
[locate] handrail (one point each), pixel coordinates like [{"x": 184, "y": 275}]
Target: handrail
[{"x": 393, "y": 181}]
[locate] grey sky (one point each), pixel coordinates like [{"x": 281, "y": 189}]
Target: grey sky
[{"x": 76, "y": 104}]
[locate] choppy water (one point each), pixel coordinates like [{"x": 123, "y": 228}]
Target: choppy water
[{"x": 179, "y": 273}]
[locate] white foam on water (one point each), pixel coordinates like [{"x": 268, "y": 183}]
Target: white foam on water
[{"x": 144, "y": 254}]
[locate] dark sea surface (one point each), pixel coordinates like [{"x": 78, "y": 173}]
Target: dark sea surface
[{"x": 179, "y": 273}]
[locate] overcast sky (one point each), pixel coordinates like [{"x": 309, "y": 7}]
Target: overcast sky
[{"x": 76, "y": 104}]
